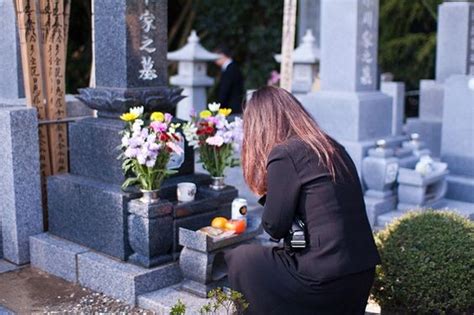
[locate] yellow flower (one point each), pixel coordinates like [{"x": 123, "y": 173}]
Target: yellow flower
[
  {"x": 225, "y": 111},
  {"x": 129, "y": 116},
  {"x": 158, "y": 116},
  {"x": 205, "y": 114}
]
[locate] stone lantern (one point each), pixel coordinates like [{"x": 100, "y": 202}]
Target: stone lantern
[
  {"x": 305, "y": 64},
  {"x": 192, "y": 75}
]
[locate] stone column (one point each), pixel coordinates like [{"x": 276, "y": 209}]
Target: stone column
[
  {"x": 349, "y": 107},
  {"x": 457, "y": 141},
  {"x": 21, "y": 215},
  {"x": 397, "y": 91},
  {"x": 454, "y": 55},
  {"x": 11, "y": 84}
]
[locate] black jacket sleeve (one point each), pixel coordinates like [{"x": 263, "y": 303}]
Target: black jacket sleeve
[{"x": 283, "y": 188}]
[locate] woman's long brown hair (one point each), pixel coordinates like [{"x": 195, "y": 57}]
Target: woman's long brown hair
[{"x": 271, "y": 116}]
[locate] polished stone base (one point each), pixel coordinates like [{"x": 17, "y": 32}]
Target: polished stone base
[
  {"x": 120, "y": 280},
  {"x": 56, "y": 256}
]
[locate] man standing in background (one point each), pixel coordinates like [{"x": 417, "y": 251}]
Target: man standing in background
[{"x": 230, "y": 90}]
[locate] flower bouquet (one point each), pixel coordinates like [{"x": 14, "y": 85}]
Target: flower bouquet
[
  {"x": 216, "y": 138},
  {"x": 147, "y": 144}
]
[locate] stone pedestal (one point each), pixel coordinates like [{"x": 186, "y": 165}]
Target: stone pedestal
[
  {"x": 150, "y": 232},
  {"x": 202, "y": 258},
  {"x": 21, "y": 214},
  {"x": 417, "y": 191},
  {"x": 348, "y": 107},
  {"x": 379, "y": 169},
  {"x": 457, "y": 142}
]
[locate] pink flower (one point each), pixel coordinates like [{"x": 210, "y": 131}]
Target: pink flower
[
  {"x": 176, "y": 148},
  {"x": 215, "y": 140},
  {"x": 168, "y": 117},
  {"x": 158, "y": 126}
]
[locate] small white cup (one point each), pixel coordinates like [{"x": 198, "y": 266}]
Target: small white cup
[{"x": 186, "y": 192}]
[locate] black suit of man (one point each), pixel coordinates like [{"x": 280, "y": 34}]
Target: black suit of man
[{"x": 230, "y": 90}]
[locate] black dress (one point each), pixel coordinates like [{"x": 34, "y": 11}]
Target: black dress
[
  {"x": 334, "y": 274},
  {"x": 230, "y": 91}
]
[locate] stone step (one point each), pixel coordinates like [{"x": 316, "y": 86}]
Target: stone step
[
  {"x": 460, "y": 188},
  {"x": 161, "y": 301},
  {"x": 5, "y": 266},
  {"x": 99, "y": 272}
]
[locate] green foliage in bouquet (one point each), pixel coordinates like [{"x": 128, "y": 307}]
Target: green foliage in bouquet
[
  {"x": 216, "y": 159},
  {"x": 427, "y": 264}
]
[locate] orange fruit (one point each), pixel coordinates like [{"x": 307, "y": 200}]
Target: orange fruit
[
  {"x": 219, "y": 222},
  {"x": 238, "y": 226}
]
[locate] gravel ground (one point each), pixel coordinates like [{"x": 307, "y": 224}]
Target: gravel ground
[{"x": 30, "y": 291}]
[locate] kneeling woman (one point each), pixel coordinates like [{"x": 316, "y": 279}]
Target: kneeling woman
[{"x": 302, "y": 173}]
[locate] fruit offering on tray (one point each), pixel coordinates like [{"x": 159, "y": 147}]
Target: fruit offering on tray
[
  {"x": 238, "y": 226},
  {"x": 219, "y": 222},
  {"x": 216, "y": 233}
]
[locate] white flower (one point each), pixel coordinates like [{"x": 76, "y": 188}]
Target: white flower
[
  {"x": 214, "y": 107},
  {"x": 141, "y": 158},
  {"x": 138, "y": 110},
  {"x": 215, "y": 140},
  {"x": 125, "y": 139},
  {"x": 137, "y": 125},
  {"x": 150, "y": 163}
]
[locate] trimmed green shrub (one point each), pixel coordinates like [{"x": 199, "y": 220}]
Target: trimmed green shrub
[{"x": 427, "y": 264}]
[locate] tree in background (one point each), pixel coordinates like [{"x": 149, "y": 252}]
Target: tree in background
[
  {"x": 251, "y": 29},
  {"x": 79, "y": 48},
  {"x": 407, "y": 37}
]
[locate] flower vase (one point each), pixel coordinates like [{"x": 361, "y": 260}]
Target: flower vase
[
  {"x": 150, "y": 196},
  {"x": 217, "y": 182}
]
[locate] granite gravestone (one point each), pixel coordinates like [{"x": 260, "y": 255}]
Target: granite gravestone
[
  {"x": 457, "y": 142},
  {"x": 454, "y": 55},
  {"x": 11, "y": 85},
  {"x": 88, "y": 206},
  {"x": 348, "y": 106}
]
